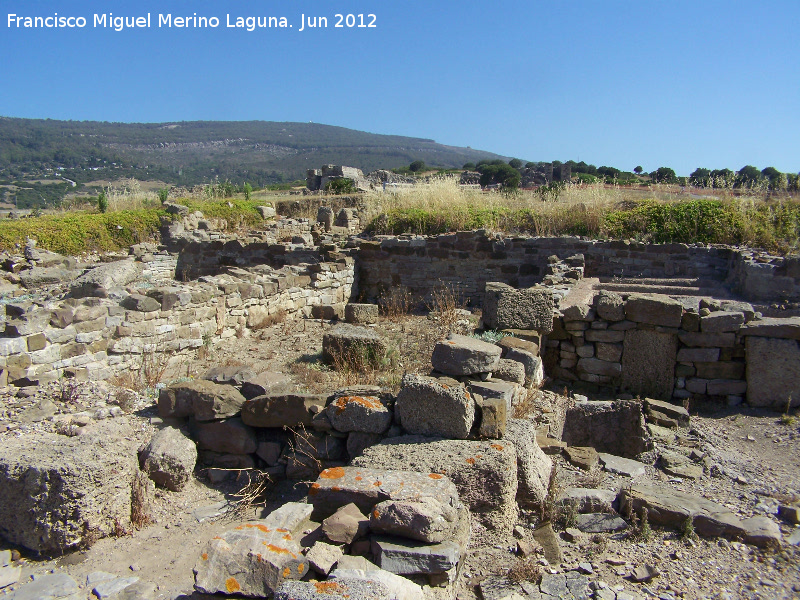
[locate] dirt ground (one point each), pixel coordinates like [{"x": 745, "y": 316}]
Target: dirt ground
[{"x": 754, "y": 459}]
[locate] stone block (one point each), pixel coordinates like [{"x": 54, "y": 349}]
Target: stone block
[
  {"x": 707, "y": 340},
  {"x": 773, "y": 372},
  {"x": 484, "y": 472},
  {"x": 425, "y": 519},
  {"x": 434, "y": 407},
  {"x": 654, "y": 309},
  {"x": 507, "y": 308},
  {"x": 492, "y": 415},
  {"x": 59, "y": 492},
  {"x": 345, "y": 587},
  {"x": 648, "y": 363},
  {"x": 726, "y": 387},
  {"x": 404, "y": 557},
  {"x": 350, "y": 343},
  {"x": 510, "y": 370},
  {"x": 721, "y": 322},
  {"x": 322, "y": 557},
  {"x": 367, "y": 414},
  {"x": 364, "y": 314},
  {"x": 495, "y": 389},
  {"x": 229, "y": 436},
  {"x": 169, "y": 459},
  {"x": 720, "y": 370},
  {"x": 610, "y": 306},
  {"x": 266, "y": 383},
  {"x": 690, "y": 355},
  {"x": 346, "y": 525},
  {"x": 285, "y": 410},
  {"x": 782, "y": 328},
  {"x": 208, "y": 400},
  {"x": 254, "y": 558},
  {"x": 588, "y": 500},
  {"x": 609, "y": 352},
  {"x": 533, "y": 465},
  {"x": 234, "y": 375},
  {"x": 460, "y": 355},
  {"x": 595, "y": 366},
  {"x": 328, "y": 312},
  {"x": 605, "y": 335},
  {"x": 534, "y": 369},
  {"x": 614, "y": 427}
]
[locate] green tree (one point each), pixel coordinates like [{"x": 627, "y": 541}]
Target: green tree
[
  {"x": 638, "y": 169},
  {"x": 515, "y": 163},
  {"x": 163, "y": 195},
  {"x": 748, "y": 176},
  {"x": 503, "y": 174},
  {"x": 469, "y": 166},
  {"x": 248, "y": 191},
  {"x": 102, "y": 202},
  {"x": 777, "y": 180},
  {"x": 664, "y": 175},
  {"x": 700, "y": 177},
  {"x": 340, "y": 185},
  {"x": 417, "y": 166}
]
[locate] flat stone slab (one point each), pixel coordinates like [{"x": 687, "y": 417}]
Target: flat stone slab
[
  {"x": 58, "y": 586},
  {"x": 366, "y": 486},
  {"x": 407, "y": 557},
  {"x": 399, "y": 587},
  {"x": 533, "y": 465},
  {"x": 600, "y": 523},
  {"x": 654, "y": 309},
  {"x": 672, "y": 508},
  {"x": 204, "y": 400},
  {"x": 484, "y": 472},
  {"x": 589, "y": 500},
  {"x": 254, "y": 558},
  {"x": 583, "y": 457},
  {"x": 461, "y": 355},
  {"x": 345, "y": 588},
  {"x": 283, "y": 410},
  {"x": 673, "y": 411},
  {"x": 678, "y": 465},
  {"x": 346, "y": 342},
  {"x": 622, "y": 466},
  {"x": 505, "y": 307},
  {"x": 435, "y": 407},
  {"x": 784, "y": 328}
]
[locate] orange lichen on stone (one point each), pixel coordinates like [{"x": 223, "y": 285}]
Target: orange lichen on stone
[
  {"x": 376, "y": 514},
  {"x": 336, "y": 488},
  {"x": 314, "y": 489},
  {"x": 497, "y": 447},
  {"x": 287, "y": 572},
  {"x": 232, "y": 585},
  {"x": 358, "y": 478},
  {"x": 435, "y": 476},
  {"x": 288, "y": 536},
  {"x": 216, "y": 537},
  {"x": 259, "y": 526},
  {"x": 259, "y": 558},
  {"x": 378, "y": 483},
  {"x": 278, "y": 549},
  {"x": 478, "y": 456},
  {"x": 332, "y": 473},
  {"x": 281, "y": 530},
  {"x": 327, "y": 587},
  {"x": 204, "y": 556},
  {"x": 301, "y": 568},
  {"x": 471, "y": 461},
  {"x": 341, "y": 403}
]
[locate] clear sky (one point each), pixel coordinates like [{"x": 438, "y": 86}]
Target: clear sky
[{"x": 679, "y": 83}]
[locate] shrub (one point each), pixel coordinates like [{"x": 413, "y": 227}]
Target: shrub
[
  {"x": 102, "y": 202},
  {"x": 340, "y": 186},
  {"x": 163, "y": 195}
]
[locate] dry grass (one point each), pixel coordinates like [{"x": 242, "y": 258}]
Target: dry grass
[
  {"x": 445, "y": 307},
  {"x": 396, "y": 303},
  {"x": 140, "y": 500},
  {"x": 525, "y": 570},
  {"x": 527, "y": 407},
  {"x": 270, "y": 320},
  {"x": 592, "y": 479}
]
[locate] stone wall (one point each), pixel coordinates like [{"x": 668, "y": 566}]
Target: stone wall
[{"x": 467, "y": 260}]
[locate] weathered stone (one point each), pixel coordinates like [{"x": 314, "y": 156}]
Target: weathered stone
[
  {"x": 365, "y": 314},
  {"x": 233, "y": 375},
  {"x": 599, "y": 523},
  {"x": 207, "y": 400},
  {"x": 460, "y": 355},
  {"x": 399, "y": 587},
  {"x": 328, "y": 312},
  {"x": 785, "y": 328},
  {"x": 672, "y": 508},
  {"x": 698, "y": 354},
  {"x": 726, "y": 387},
  {"x": 604, "y": 335},
  {"x": 654, "y": 309},
  {"x": 509, "y": 342},
  {"x": 266, "y": 212},
  {"x": 351, "y": 343},
  {"x": 648, "y": 363},
  {"x": 588, "y": 500},
  {"x": 323, "y": 557},
  {"x": 673, "y": 411},
  {"x": 484, "y": 473},
  {"x": 720, "y": 370},
  {"x": 346, "y": 525},
  {"x": 229, "y": 436},
  {"x": 141, "y": 303},
  {"x": 426, "y": 519},
  {"x": 111, "y": 588},
  {"x": 510, "y": 370},
  {"x": 622, "y": 466},
  {"x": 707, "y": 340},
  {"x": 615, "y": 427},
  {"x": 533, "y": 465},
  {"x": 366, "y": 486},
  {"x": 345, "y": 587},
  {"x": 287, "y": 410},
  {"x": 773, "y": 372},
  {"x": 534, "y": 370},
  {"x": 56, "y": 586},
  {"x": 254, "y": 558},
  {"x": 358, "y": 441},
  {"x": 609, "y": 352},
  {"x": 405, "y": 557},
  {"x": 492, "y": 415},
  {"x": 507, "y": 308},
  {"x": 584, "y": 457},
  {"x": 610, "y": 306},
  {"x": 678, "y": 465},
  {"x": 434, "y": 407},
  {"x": 266, "y": 383},
  {"x": 58, "y": 492},
  {"x": 578, "y": 312},
  {"x": 320, "y": 446},
  {"x": 169, "y": 458},
  {"x": 595, "y": 366},
  {"x": 367, "y": 414},
  {"x": 548, "y": 539},
  {"x": 790, "y": 513},
  {"x": 721, "y": 322}
]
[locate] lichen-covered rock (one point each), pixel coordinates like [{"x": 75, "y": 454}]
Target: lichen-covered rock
[
  {"x": 426, "y": 519},
  {"x": 366, "y": 414},
  {"x": 507, "y": 308}
]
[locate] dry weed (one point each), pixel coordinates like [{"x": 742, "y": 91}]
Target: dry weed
[
  {"x": 445, "y": 308},
  {"x": 592, "y": 479},
  {"x": 270, "y": 320},
  {"x": 527, "y": 407},
  {"x": 396, "y": 303},
  {"x": 550, "y": 511},
  {"x": 525, "y": 570},
  {"x": 252, "y": 494},
  {"x": 141, "y": 490}
]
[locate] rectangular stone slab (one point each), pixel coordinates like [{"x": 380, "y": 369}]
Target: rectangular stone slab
[{"x": 366, "y": 487}]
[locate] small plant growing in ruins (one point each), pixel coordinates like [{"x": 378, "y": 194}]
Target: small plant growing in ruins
[
  {"x": 568, "y": 516},
  {"x": 525, "y": 570},
  {"x": 640, "y": 525},
  {"x": 688, "y": 533},
  {"x": 491, "y": 335},
  {"x": 68, "y": 390},
  {"x": 140, "y": 501},
  {"x": 252, "y": 494},
  {"x": 163, "y": 195},
  {"x": 550, "y": 511},
  {"x": 395, "y": 303},
  {"x": 445, "y": 309},
  {"x": 592, "y": 479},
  {"x": 124, "y": 398},
  {"x": 525, "y": 408}
]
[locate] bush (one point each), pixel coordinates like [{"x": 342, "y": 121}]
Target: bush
[
  {"x": 340, "y": 186},
  {"x": 102, "y": 202},
  {"x": 417, "y": 166},
  {"x": 163, "y": 195}
]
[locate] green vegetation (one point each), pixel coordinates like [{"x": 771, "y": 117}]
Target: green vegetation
[
  {"x": 341, "y": 186},
  {"x": 102, "y": 202}
]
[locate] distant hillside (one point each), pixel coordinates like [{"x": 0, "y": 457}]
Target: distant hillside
[{"x": 190, "y": 153}]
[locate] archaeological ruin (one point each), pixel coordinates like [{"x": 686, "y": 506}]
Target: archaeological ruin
[{"x": 599, "y": 355}]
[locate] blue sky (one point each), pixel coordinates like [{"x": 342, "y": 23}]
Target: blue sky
[{"x": 679, "y": 84}]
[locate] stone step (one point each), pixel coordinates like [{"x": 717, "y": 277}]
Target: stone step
[
  {"x": 671, "y": 281},
  {"x": 669, "y": 290}
]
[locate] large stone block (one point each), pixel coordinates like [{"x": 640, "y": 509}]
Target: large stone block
[
  {"x": 367, "y": 414},
  {"x": 102, "y": 278},
  {"x": 654, "y": 309},
  {"x": 353, "y": 344},
  {"x": 773, "y": 372},
  {"x": 205, "y": 400},
  {"x": 615, "y": 427},
  {"x": 365, "y": 486},
  {"x": 484, "y": 472},
  {"x": 254, "y": 558},
  {"x": 507, "y": 308},
  {"x": 460, "y": 355},
  {"x": 230, "y": 436},
  {"x": 435, "y": 407},
  {"x": 286, "y": 410},
  {"x": 610, "y": 306},
  {"x": 648, "y": 363},
  {"x": 533, "y": 465},
  {"x": 59, "y": 492}
]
